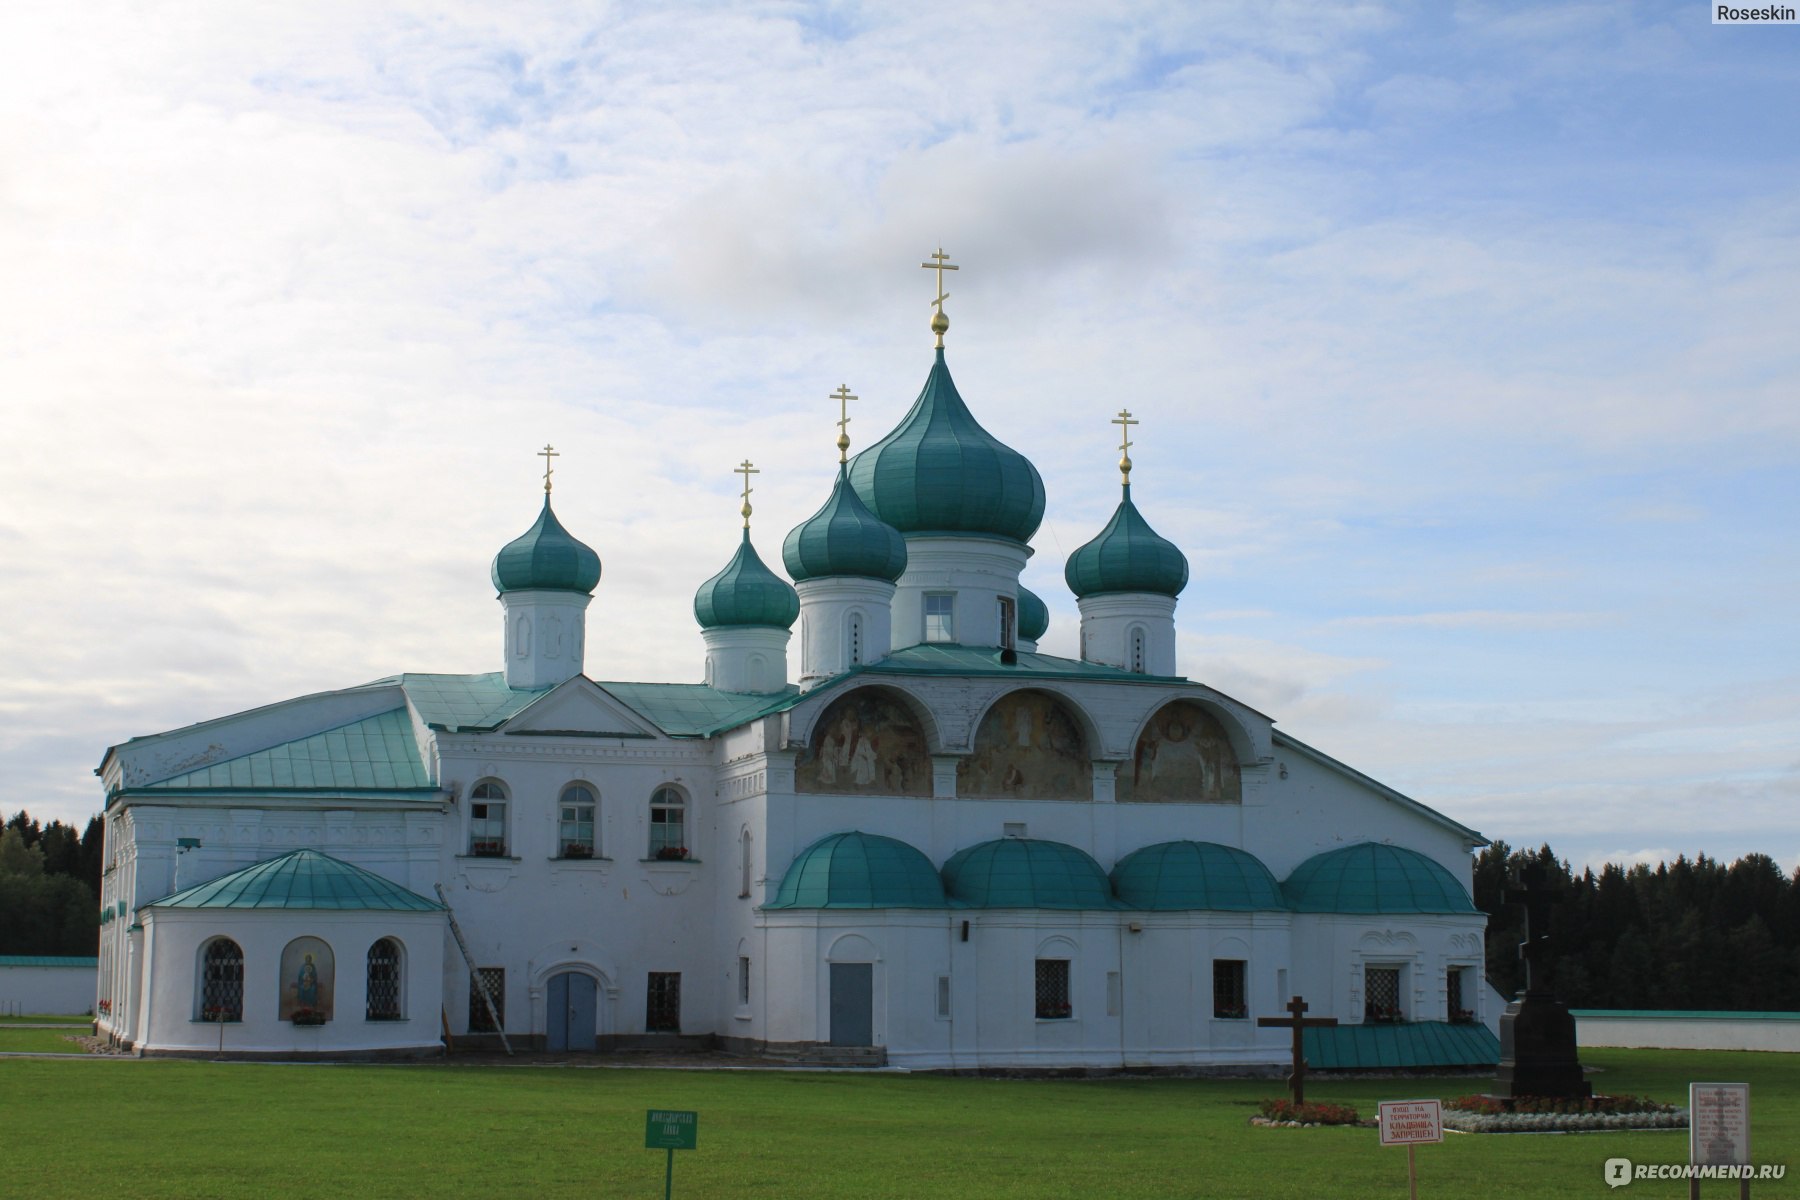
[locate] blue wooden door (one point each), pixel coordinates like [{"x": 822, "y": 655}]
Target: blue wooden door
[
  {"x": 569, "y": 1012},
  {"x": 852, "y": 1004}
]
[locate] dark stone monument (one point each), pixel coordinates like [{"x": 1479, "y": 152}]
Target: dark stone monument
[
  {"x": 1299, "y": 1023},
  {"x": 1537, "y": 1034}
]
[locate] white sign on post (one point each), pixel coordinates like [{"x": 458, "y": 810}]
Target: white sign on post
[
  {"x": 1718, "y": 1124},
  {"x": 1411, "y": 1122}
]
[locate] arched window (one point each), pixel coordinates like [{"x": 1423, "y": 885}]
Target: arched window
[
  {"x": 668, "y": 824},
  {"x": 1137, "y": 651},
  {"x": 575, "y": 829},
  {"x": 487, "y": 819},
  {"x": 744, "y": 843},
  {"x": 384, "y": 980},
  {"x": 854, "y": 633},
  {"x": 222, "y": 981}
]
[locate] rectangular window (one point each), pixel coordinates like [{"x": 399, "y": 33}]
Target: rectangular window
[
  {"x": 1381, "y": 995},
  {"x": 1115, "y": 994},
  {"x": 1053, "y": 989},
  {"x": 384, "y": 981},
  {"x": 1229, "y": 1002},
  {"x": 662, "y": 1003},
  {"x": 1461, "y": 1012},
  {"x": 668, "y": 826},
  {"x": 1006, "y": 623},
  {"x": 575, "y": 834},
  {"x": 940, "y": 617},
  {"x": 487, "y": 829},
  {"x": 743, "y": 980},
  {"x": 943, "y": 996},
  {"x": 480, "y": 1019}
]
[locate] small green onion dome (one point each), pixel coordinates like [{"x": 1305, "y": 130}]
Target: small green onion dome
[
  {"x": 859, "y": 870},
  {"x": 1026, "y": 873},
  {"x": 844, "y": 538},
  {"x": 1127, "y": 556},
  {"x": 1034, "y": 615},
  {"x": 746, "y": 593},
  {"x": 545, "y": 557},
  {"x": 1196, "y": 875},
  {"x": 1373, "y": 877},
  {"x": 939, "y": 471}
]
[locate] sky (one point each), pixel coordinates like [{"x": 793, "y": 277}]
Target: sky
[{"x": 1465, "y": 340}]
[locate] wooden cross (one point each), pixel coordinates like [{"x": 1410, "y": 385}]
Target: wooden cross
[
  {"x": 1125, "y": 421},
  {"x": 1538, "y": 895},
  {"x": 843, "y": 396},
  {"x": 940, "y": 263},
  {"x": 746, "y": 470},
  {"x": 547, "y": 454},
  {"x": 1299, "y": 1024}
]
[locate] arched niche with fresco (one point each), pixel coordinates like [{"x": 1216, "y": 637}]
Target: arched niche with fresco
[
  {"x": 1029, "y": 747},
  {"x": 1184, "y": 757},
  {"x": 867, "y": 743}
]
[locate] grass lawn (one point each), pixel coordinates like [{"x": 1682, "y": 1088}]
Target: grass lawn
[
  {"x": 48, "y": 1019},
  {"x": 39, "y": 1041},
  {"x": 197, "y": 1129}
]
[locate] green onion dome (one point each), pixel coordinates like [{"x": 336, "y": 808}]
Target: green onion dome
[
  {"x": 1034, "y": 615},
  {"x": 1196, "y": 875},
  {"x": 746, "y": 593},
  {"x": 1026, "y": 873},
  {"x": 1127, "y": 556},
  {"x": 939, "y": 471},
  {"x": 1373, "y": 877},
  {"x": 860, "y": 870},
  {"x": 844, "y": 538},
  {"x": 545, "y": 557}
]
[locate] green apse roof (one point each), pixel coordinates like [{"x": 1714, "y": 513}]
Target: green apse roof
[
  {"x": 546, "y": 557},
  {"x": 1025, "y": 873},
  {"x": 844, "y": 538},
  {"x": 302, "y": 879},
  {"x": 746, "y": 593},
  {"x": 1196, "y": 875},
  {"x": 378, "y": 752},
  {"x": 1411, "y": 1044},
  {"x": 1034, "y": 615},
  {"x": 1127, "y": 556},
  {"x": 939, "y": 471},
  {"x": 860, "y": 870},
  {"x": 1372, "y": 877}
]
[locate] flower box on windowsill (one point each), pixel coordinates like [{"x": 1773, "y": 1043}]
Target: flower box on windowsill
[
  {"x": 1383, "y": 1016},
  {"x": 307, "y": 1016},
  {"x": 487, "y": 849},
  {"x": 1055, "y": 1012},
  {"x": 671, "y": 854},
  {"x": 220, "y": 1016},
  {"x": 1461, "y": 1016},
  {"x": 577, "y": 850},
  {"x": 1231, "y": 1014}
]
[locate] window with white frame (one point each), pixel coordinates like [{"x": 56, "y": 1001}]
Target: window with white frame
[
  {"x": 1007, "y": 622},
  {"x": 940, "y": 617},
  {"x": 1229, "y": 1000},
  {"x": 1459, "y": 995},
  {"x": 662, "y": 1002},
  {"x": 1381, "y": 995},
  {"x": 668, "y": 824},
  {"x": 575, "y": 824},
  {"x": 487, "y": 819},
  {"x": 1053, "y": 989}
]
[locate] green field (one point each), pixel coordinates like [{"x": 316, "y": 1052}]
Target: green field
[
  {"x": 199, "y": 1129},
  {"x": 39, "y": 1041},
  {"x": 47, "y": 1019}
]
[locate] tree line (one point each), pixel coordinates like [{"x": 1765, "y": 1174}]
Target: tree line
[
  {"x": 1691, "y": 934},
  {"x": 50, "y": 887}
]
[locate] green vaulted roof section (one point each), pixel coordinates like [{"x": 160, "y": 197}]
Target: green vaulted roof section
[
  {"x": 301, "y": 879},
  {"x": 472, "y": 703},
  {"x": 860, "y": 870},
  {"x": 1196, "y": 875},
  {"x": 947, "y": 659},
  {"x": 1416, "y": 1044},
  {"x": 1026, "y": 873},
  {"x": 377, "y": 753},
  {"x": 1371, "y": 877}
]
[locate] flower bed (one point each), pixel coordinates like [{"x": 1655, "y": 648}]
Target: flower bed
[
  {"x": 1286, "y": 1112},
  {"x": 1552, "y": 1114}
]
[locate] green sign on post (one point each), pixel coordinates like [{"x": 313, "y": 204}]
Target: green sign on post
[{"x": 665, "y": 1129}]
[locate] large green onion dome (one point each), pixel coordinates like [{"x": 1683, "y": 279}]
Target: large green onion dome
[
  {"x": 939, "y": 471},
  {"x": 746, "y": 593},
  {"x": 1373, "y": 877},
  {"x": 1026, "y": 873},
  {"x": 1196, "y": 876},
  {"x": 844, "y": 538},
  {"x": 545, "y": 557},
  {"x": 1034, "y": 615},
  {"x": 860, "y": 870},
  {"x": 1127, "y": 556}
]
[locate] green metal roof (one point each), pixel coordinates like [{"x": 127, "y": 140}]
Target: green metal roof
[
  {"x": 860, "y": 870},
  {"x": 301, "y": 879},
  {"x": 456, "y": 702},
  {"x": 1034, "y": 615},
  {"x": 844, "y": 538},
  {"x": 1127, "y": 556},
  {"x": 945, "y": 658},
  {"x": 1413, "y": 1044},
  {"x": 376, "y": 753},
  {"x": 46, "y": 960},
  {"x": 939, "y": 471},
  {"x": 695, "y": 710},
  {"x": 546, "y": 557},
  {"x": 1026, "y": 873},
  {"x": 1372, "y": 877},
  {"x": 1196, "y": 875},
  {"x": 746, "y": 593}
]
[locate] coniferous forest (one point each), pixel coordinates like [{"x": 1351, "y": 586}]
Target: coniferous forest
[{"x": 49, "y": 887}]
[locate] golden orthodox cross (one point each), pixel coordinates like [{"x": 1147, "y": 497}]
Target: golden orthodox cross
[
  {"x": 547, "y": 454},
  {"x": 940, "y": 263},
  {"x": 746, "y": 470},
  {"x": 843, "y": 396},
  {"x": 1125, "y": 421}
]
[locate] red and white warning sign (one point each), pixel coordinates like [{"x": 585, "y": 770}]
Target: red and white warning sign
[{"x": 1410, "y": 1122}]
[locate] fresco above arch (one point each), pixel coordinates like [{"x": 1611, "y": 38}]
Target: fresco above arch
[
  {"x": 865, "y": 744},
  {"x": 1183, "y": 756},
  {"x": 1029, "y": 747}
]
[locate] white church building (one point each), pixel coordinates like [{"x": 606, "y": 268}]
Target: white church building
[{"x": 905, "y": 837}]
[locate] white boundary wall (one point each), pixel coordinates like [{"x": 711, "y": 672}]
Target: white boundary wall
[
  {"x": 1678, "y": 1030},
  {"x": 67, "y": 987}
]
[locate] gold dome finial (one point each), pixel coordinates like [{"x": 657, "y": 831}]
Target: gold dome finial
[
  {"x": 547, "y": 454},
  {"x": 746, "y": 470},
  {"x": 1124, "y": 421},
  {"x": 843, "y": 396},
  {"x": 940, "y": 324}
]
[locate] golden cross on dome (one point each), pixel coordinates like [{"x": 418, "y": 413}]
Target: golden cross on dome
[
  {"x": 547, "y": 454},
  {"x": 746, "y": 470},
  {"x": 1125, "y": 421},
  {"x": 940, "y": 263},
  {"x": 843, "y": 396}
]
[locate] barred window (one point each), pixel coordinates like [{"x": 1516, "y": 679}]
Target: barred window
[
  {"x": 480, "y": 1019},
  {"x": 1461, "y": 1011},
  {"x": 668, "y": 824},
  {"x": 1053, "y": 989},
  {"x": 662, "y": 1004},
  {"x": 575, "y": 832},
  {"x": 384, "y": 981},
  {"x": 1229, "y": 1001},
  {"x": 1381, "y": 994},
  {"x": 222, "y": 981},
  {"x": 487, "y": 820}
]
